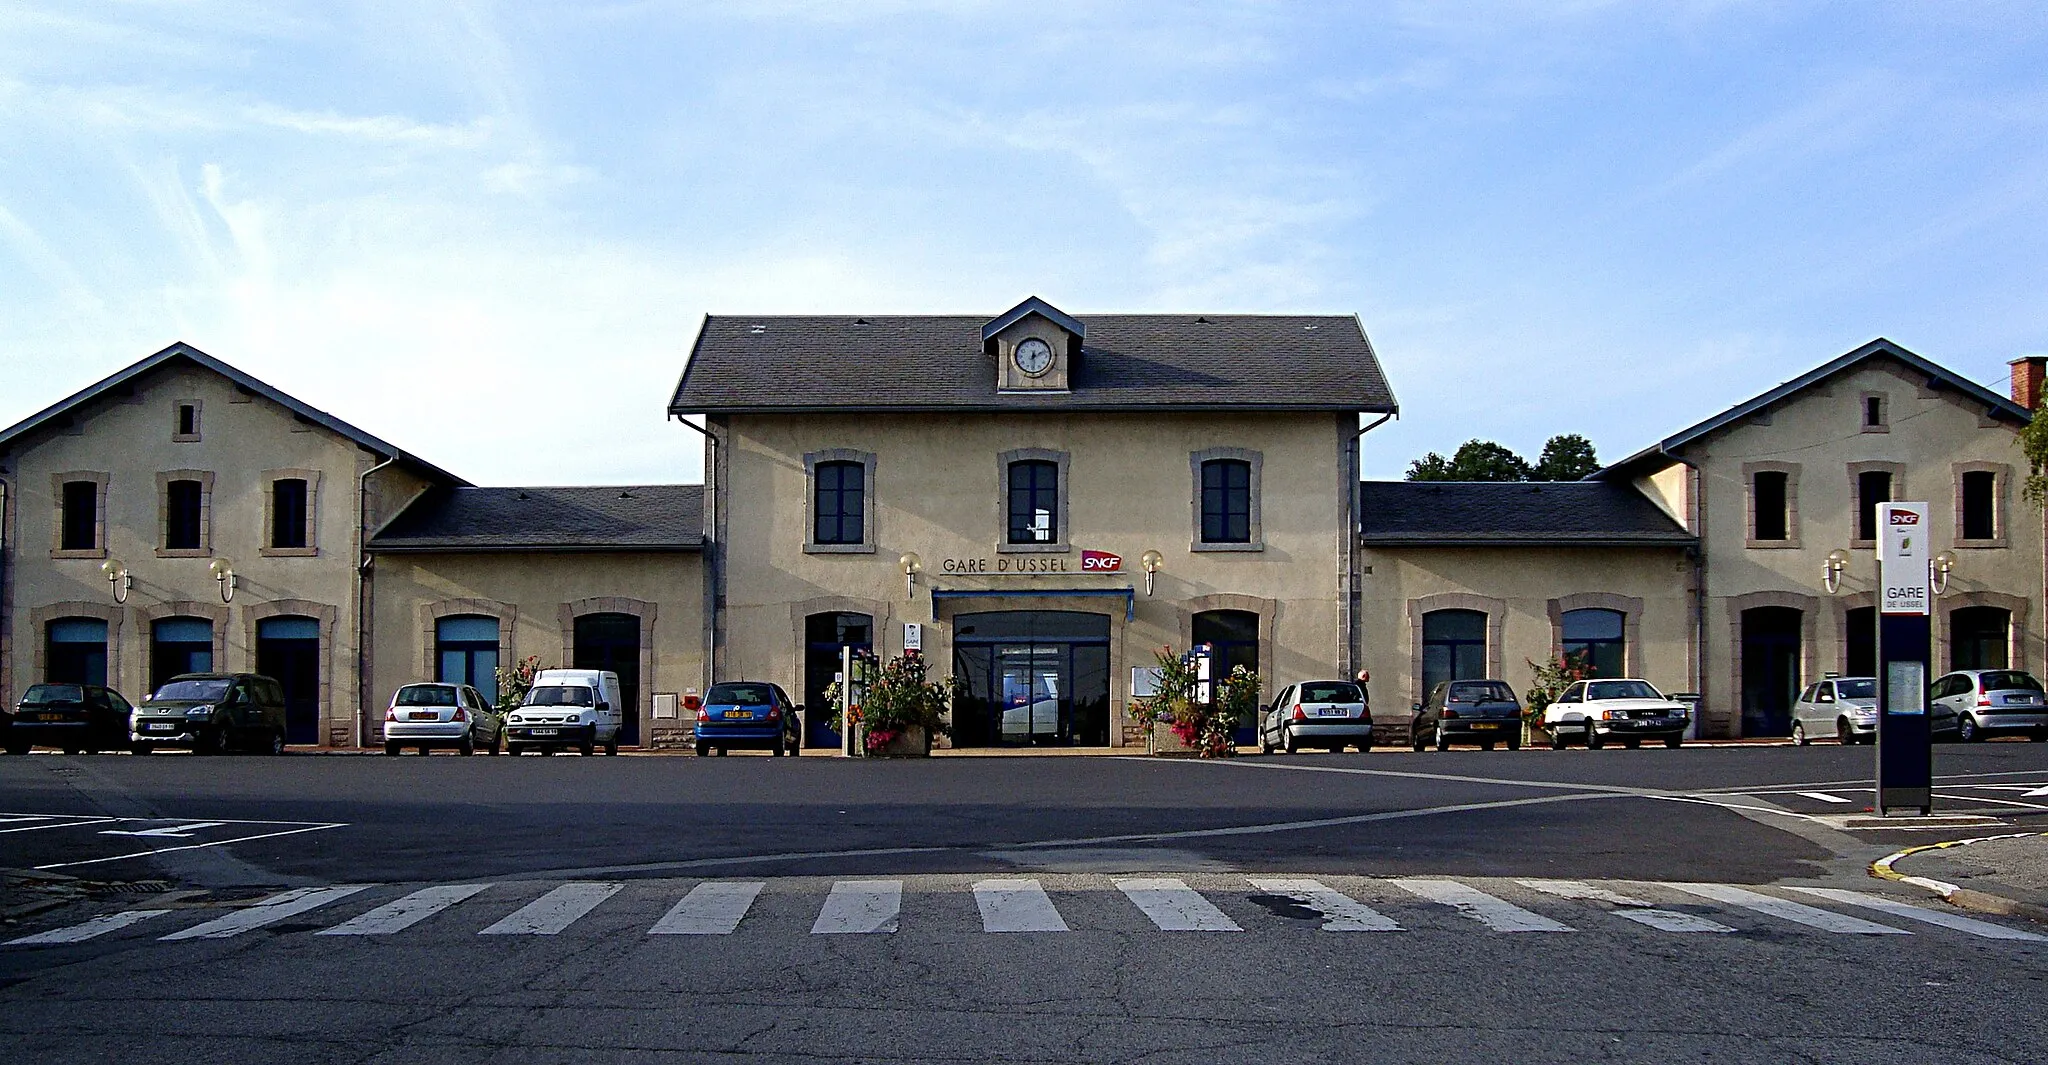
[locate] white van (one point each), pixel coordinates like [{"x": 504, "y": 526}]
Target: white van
[{"x": 565, "y": 708}]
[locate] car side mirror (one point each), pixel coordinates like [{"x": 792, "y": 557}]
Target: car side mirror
[
  {"x": 603, "y": 707},
  {"x": 1418, "y": 707}
]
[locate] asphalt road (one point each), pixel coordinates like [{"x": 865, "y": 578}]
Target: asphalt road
[{"x": 1312, "y": 907}]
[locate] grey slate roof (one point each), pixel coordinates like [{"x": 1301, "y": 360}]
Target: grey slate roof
[
  {"x": 66, "y": 408},
  {"x": 936, "y": 363},
  {"x": 1512, "y": 514},
  {"x": 662, "y": 517},
  {"x": 1939, "y": 377}
]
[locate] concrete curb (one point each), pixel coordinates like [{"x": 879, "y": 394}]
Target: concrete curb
[{"x": 1962, "y": 897}]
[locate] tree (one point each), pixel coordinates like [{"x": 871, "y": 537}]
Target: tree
[
  {"x": 1475, "y": 460},
  {"x": 1566, "y": 457},
  {"x": 2034, "y": 445}
]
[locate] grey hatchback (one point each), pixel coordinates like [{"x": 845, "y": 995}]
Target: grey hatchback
[
  {"x": 1990, "y": 701},
  {"x": 1484, "y": 712},
  {"x": 1842, "y": 707}
]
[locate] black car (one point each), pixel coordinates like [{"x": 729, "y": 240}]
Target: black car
[
  {"x": 1484, "y": 712},
  {"x": 212, "y": 712},
  {"x": 70, "y": 717}
]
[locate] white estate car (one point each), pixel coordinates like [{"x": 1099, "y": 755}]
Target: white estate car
[{"x": 1627, "y": 710}]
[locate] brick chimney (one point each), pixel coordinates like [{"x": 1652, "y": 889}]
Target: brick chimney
[{"x": 2027, "y": 372}]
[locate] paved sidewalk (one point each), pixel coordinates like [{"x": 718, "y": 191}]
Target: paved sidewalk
[{"x": 2002, "y": 874}]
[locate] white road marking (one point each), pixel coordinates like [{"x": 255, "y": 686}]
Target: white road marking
[
  {"x": 79, "y": 933},
  {"x": 1627, "y": 907},
  {"x": 2037, "y": 792},
  {"x": 61, "y": 824},
  {"x": 399, "y": 915},
  {"x": 188, "y": 846},
  {"x": 1341, "y": 912},
  {"x": 1823, "y": 796},
  {"x": 1499, "y": 915},
  {"x": 6, "y": 820},
  {"x": 1921, "y": 913},
  {"x": 274, "y": 908},
  {"x": 1797, "y": 913},
  {"x": 710, "y": 909},
  {"x": 860, "y": 906},
  {"x": 1174, "y": 906},
  {"x": 554, "y": 911},
  {"x": 170, "y": 831},
  {"x": 1016, "y": 906}
]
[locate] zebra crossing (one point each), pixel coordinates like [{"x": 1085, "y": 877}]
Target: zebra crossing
[{"x": 1053, "y": 905}]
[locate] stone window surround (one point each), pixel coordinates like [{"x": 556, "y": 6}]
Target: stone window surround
[
  {"x": 1792, "y": 530},
  {"x": 866, "y": 460},
  {"x": 1496, "y": 611},
  {"x": 198, "y": 410},
  {"x": 1730, "y": 715},
  {"x": 1884, "y": 412},
  {"x": 880, "y": 615},
  {"x": 506, "y": 614},
  {"x": 647, "y": 612},
  {"x": 334, "y": 734},
  {"x": 39, "y": 619},
  {"x": 1266, "y": 609},
  {"x": 1856, "y": 472},
  {"x": 1257, "y": 461},
  {"x": 1629, "y": 607},
  {"x": 2015, "y": 633},
  {"x": 57, "y": 483},
  {"x": 163, "y": 509},
  {"x": 1060, "y": 460},
  {"x": 146, "y": 618},
  {"x": 270, "y": 479},
  {"x": 2001, "y": 477}
]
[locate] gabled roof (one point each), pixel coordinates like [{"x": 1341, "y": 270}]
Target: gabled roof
[
  {"x": 1512, "y": 514},
  {"x": 1037, "y": 306},
  {"x": 1938, "y": 377},
  {"x": 1129, "y": 362},
  {"x": 662, "y": 517},
  {"x": 14, "y": 435}
]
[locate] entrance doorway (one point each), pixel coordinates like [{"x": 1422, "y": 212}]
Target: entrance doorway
[
  {"x": 288, "y": 652},
  {"x": 1232, "y": 637},
  {"x": 825, "y": 636},
  {"x": 1771, "y": 637},
  {"x": 612, "y": 642},
  {"x": 76, "y": 652},
  {"x": 1860, "y": 660},
  {"x": 1031, "y": 677},
  {"x": 179, "y": 645}
]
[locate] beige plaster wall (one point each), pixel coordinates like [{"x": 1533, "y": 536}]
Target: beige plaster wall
[
  {"x": 129, "y": 441},
  {"x": 938, "y": 492},
  {"x": 1930, "y": 434},
  {"x": 1520, "y": 589},
  {"x": 536, "y": 597}
]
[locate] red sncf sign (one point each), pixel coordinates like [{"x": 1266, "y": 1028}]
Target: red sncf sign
[
  {"x": 1101, "y": 562},
  {"x": 1905, "y": 517}
]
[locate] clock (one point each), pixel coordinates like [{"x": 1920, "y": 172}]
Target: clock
[{"x": 1033, "y": 356}]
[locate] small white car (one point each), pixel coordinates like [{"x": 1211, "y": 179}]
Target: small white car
[
  {"x": 1317, "y": 713},
  {"x": 579, "y": 709},
  {"x": 440, "y": 714},
  {"x": 1842, "y": 707},
  {"x": 1627, "y": 710},
  {"x": 1989, "y": 702}
]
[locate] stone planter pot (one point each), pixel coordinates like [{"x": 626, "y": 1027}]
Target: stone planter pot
[
  {"x": 912, "y": 742},
  {"x": 1163, "y": 740}
]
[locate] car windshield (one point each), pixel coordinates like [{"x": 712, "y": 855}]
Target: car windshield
[
  {"x": 560, "y": 695},
  {"x": 2010, "y": 680},
  {"x": 426, "y": 695},
  {"x": 193, "y": 691},
  {"x": 1482, "y": 692},
  {"x": 1621, "y": 689},
  {"x": 1860, "y": 688},
  {"x": 1333, "y": 691},
  {"x": 53, "y": 694},
  {"x": 739, "y": 695}
]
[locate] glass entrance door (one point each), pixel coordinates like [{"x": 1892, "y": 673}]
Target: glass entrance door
[
  {"x": 1031, "y": 678},
  {"x": 1035, "y": 682}
]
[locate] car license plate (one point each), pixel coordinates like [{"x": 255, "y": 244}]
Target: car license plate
[
  {"x": 744, "y": 715},
  {"x": 547, "y": 732},
  {"x": 424, "y": 715},
  {"x": 1333, "y": 711},
  {"x": 163, "y": 726},
  {"x": 50, "y": 717},
  {"x": 1486, "y": 725}
]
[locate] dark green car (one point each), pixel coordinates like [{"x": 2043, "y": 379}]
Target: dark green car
[{"x": 211, "y": 712}]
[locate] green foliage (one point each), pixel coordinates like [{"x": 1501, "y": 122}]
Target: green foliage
[
  {"x": 514, "y": 683},
  {"x": 897, "y": 697},
  {"x": 2034, "y": 445},
  {"x": 1205, "y": 727},
  {"x": 1566, "y": 457},
  {"x": 1551, "y": 679}
]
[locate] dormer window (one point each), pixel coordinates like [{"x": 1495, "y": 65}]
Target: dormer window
[{"x": 1035, "y": 347}]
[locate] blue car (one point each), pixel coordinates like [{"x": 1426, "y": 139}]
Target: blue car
[{"x": 749, "y": 715}]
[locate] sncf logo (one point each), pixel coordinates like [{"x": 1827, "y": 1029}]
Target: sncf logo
[
  {"x": 1100, "y": 562},
  {"x": 1905, "y": 517}
]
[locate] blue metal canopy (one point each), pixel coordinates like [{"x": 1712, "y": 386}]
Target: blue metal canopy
[{"x": 1129, "y": 596}]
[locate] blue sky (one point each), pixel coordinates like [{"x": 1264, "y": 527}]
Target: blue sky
[{"x": 1605, "y": 218}]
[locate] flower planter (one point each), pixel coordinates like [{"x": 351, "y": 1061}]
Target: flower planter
[
  {"x": 1163, "y": 740},
  {"x": 913, "y": 742}
]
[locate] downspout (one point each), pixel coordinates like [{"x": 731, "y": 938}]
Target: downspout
[
  {"x": 363, "y": 602},
  {"x": 710, "y": 552},
  {"x": 1354, "y": 595}
]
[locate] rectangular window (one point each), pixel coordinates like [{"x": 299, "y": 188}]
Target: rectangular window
[
  {"x": 839, "y": 498},
  {"x": 81, "y": 531},
  {"x": 188, "y": 419},
  {"x": 288, "y": 512},
  {"x": 1772, "y": 520},
  {"x": 1226, "y": 501},
  {"x": 182, "y": 516},
  {"x": 1034, "y": 502},
  {"x": 1872, "y": 488},
  {"x": 1980, "y": 514}
]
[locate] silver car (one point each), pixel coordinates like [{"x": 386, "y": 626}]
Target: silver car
[
  {"x": 1317, "y": 713},
  {"x": 1991, "y": 701},
  {"x": 441, "y": 715},
  {"x": 1842, "y": 707}
]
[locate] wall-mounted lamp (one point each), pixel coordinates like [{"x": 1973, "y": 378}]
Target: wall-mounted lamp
[
  {"x": 1943, "y": 564},
  {"x": 117, "y": 575},
  {"x": 1151, "y": 560},
  {"x": 224, "y": 574},
  {"x": 912, "y": 566},
  {"x": 1831, "y": 571}
]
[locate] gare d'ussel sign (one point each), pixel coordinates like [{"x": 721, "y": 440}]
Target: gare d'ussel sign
[{"x": 1036, "y": 565}]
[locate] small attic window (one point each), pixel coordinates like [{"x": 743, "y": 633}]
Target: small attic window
[
  {"x": 758, "y": 330},
  {"x": 185, "y": 421}
]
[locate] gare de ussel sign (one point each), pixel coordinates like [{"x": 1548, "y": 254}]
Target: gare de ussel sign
[
  {"x": 1036, "y": 565},
  {"x": 1902, "y": 558}
]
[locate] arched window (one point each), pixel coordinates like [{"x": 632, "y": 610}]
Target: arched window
[
  {"x": 1226, "y": 501},
  {"x": 76, "y": 652},
  {"x": 179, "y": 645},
  {"x": 1453, "y": 646},
  {"x": 466, "y": 652},
  {"x": 1979, "y": 637},
  {"x": 1594, "y": 639},
  {"x": 1034, "y": 502}
]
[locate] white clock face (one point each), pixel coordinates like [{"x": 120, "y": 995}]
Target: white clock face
[{"x": 1034, "y": 356}]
